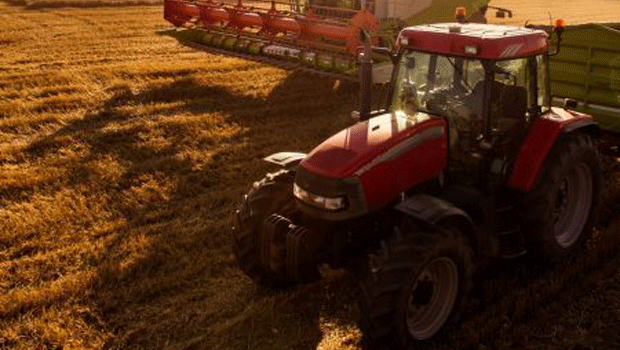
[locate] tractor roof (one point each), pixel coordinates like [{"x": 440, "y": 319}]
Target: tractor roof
[{"x": 487, "y": 41}]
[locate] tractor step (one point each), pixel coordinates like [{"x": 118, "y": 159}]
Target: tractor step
[
  {"x": 513, "y": 255},
  {"x": 504, "y": 208},
  {"x": 509, "y": 232},
  {"x": 511, "y": 243}
]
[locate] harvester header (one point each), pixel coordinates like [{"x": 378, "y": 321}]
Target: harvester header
[
  {"x": 316, "y": 35},
  {"x": 272, "y": 24}
]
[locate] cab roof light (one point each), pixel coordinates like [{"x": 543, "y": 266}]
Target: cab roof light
[{"x": 470, "y": 50}]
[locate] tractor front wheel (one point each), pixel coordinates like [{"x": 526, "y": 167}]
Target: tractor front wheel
[{"x": 415, "y": 286}]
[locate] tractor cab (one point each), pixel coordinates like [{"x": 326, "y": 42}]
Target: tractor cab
[{"x": 488, "y": 82}]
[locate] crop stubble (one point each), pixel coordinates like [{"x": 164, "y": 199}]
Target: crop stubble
[{"x": 122, "y": 159}]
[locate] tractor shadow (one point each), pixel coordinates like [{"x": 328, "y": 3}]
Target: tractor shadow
[{"x": 168, "y": 278}]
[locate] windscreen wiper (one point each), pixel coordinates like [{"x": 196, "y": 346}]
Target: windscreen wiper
[{"x": 460, "y": 74}]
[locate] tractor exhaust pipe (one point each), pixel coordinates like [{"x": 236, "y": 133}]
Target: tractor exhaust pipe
[{"x": 365, "y": 77}]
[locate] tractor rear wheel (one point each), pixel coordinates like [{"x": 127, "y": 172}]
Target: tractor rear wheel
[
  {"x": 415, "y": 286},
  {"x": 272, "y": 195},
  {"x": 565, "y": 200}
]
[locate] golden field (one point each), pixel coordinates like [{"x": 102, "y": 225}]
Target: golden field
[{"x": 123, "y": 157}]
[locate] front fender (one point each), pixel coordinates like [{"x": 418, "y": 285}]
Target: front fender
[
  {"x": 544, "y": 133},
  {"x": 286, "y": 160},
  {"x": 437, "y": 211},
  {"x": 430, "y": 209}
]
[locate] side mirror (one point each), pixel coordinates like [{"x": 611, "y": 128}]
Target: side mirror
[
  {"x": 380, "y": 50},
  {"x": 569, "y": 103},
  {"x": 387, "y": 52},
  {"x": 410, "y": 63},
  {"x": 501, "y": 12}
]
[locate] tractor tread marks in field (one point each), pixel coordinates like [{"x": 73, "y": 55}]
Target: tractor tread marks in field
[
  {"x": 538, "y": 204},
  {"x": 382, "y": 302},
  {"x": 272, "y": 194}
]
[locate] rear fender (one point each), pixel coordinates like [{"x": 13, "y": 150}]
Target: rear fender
[
  {"x": 286, "y": 160},
  {"x": 436, "y": 211},
  {"x": 545, "y": 133}
]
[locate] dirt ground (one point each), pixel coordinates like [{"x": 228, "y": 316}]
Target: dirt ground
[{"x": 123, "y": 157}]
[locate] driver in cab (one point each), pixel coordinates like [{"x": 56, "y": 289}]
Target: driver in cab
[{"x": 410, "y": 101}]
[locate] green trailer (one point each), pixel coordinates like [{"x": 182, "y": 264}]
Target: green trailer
[{"x": 587, "y": 69}]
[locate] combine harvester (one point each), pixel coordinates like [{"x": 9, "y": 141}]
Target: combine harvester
[{"x": 321, "y": 36}]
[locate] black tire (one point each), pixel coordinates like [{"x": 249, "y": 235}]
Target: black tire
[
  {"x": 272, "y": 195},
  {"x": 395, "y": 291},
  {"x": 565, "y": 201}
]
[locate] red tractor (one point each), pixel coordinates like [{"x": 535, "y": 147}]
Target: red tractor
[{"x": 468, "y": 159}]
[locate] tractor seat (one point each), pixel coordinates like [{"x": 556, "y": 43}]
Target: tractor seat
[
  {"x": 514, "y": 102},
  {"x": 511, "y": 115}
]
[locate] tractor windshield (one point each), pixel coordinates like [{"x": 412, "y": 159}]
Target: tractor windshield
[
  {"x": 441, "y": 85},
  {"x": 454, "y": 88}
]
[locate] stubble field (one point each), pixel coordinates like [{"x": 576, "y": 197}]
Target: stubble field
[{"x": 123, "y": 157}]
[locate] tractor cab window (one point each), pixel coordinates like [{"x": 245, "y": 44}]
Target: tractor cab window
[
  {"x": 519, "y": 93},
  {"x": 439, "y": 85},
  {"x": 509, "y": 95},
  {"x": 542, "y": 83},
  {"x": 482, "y": 100},
  {"x": 451, "y": 87}
]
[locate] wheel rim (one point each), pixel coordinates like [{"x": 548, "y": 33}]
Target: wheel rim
[
  {"x": 432, "y": 298},
  {"x": 572, "y": 207}
]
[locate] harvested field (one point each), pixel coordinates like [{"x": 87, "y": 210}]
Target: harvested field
[
  {"x": 47, "y": 4},
  {"x": 123, "y": 157},
  {"x": 572, "y": 11}
]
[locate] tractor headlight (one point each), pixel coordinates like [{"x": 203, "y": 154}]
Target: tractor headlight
[{"x": 314, "y": 200}]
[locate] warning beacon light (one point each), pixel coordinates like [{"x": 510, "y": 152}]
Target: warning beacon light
[
  {"x": 558, "y": 29},
  {"x": 461, "y": 12}
]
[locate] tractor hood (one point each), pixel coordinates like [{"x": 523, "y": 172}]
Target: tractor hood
[
  {"x": 372, "y": 162},
  {"x": 371, "y": 142}
]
